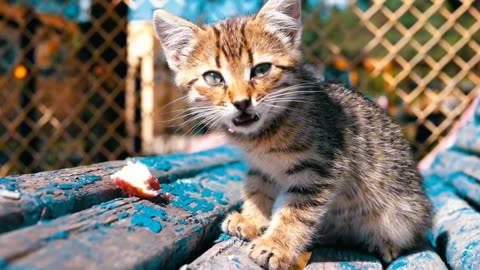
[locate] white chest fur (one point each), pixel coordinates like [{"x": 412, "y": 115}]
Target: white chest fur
[{"x": 274, "y": 164}]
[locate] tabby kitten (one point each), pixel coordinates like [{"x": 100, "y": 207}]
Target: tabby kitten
[{"x": 343, "y": 167}]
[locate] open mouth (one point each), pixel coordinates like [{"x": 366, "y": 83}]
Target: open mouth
[{"x": 245, "y": 119}]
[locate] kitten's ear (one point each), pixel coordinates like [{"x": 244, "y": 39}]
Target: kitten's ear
[
  {"x": 176, "y": 35},
  {"x": 283, "y": 18}
]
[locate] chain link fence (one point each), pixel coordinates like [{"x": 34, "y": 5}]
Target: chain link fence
[{"x": 85, "y": 81}]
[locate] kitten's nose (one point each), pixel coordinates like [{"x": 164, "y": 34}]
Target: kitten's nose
[{"x": 242, "y": 105}]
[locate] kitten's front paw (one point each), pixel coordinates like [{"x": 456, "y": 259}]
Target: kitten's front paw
[
  {"x": 270, "y": 255},
  {"x": 237, "y": 225},
  {"x": 387, "y": 251}
]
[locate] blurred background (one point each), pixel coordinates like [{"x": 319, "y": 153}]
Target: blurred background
[{"x": 84, "y": 81}]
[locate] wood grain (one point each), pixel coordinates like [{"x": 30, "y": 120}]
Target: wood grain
[
  {"x": 48, "y": 195},
  {"x": 131, "y": 233}
]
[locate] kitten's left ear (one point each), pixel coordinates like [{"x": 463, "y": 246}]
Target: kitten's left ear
[
  {"x": 176, "y": 35},
  {"x": 283, "y": 18}
]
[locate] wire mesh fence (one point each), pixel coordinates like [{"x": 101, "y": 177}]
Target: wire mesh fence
[
  {"x": 62, "y": 84},
  {"x": 85, "y": 81},
  {"x": 421, "y": 55}
]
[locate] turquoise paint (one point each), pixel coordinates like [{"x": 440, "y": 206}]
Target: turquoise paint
[
  {"x": 3, "y": 262},
  {"x": 109, "y": 205},
  {"x": 66, "y": 186},
  {"x": 179, "y": 229},
  {"x": 123, "y": 216},
  {"x": 206, "y": 192},
  {"x": 223, "y": 237},
  {"x": 187, "y": 191},
  {"x": 9, "y": 183},
  {"x": 141, "y": 220},
  {"x": 347, "y": 265},
  {"x": 78, "y": 182},
  {"x": 471, "y": 256},
  {"x": 398, "y": 264},
  {"x": 424, "y": 255},
  {"x": 145, "y": 217},
  {"x": 152, "y": 212},
  {"x": 192, "y": 204},
  {"x": 58, "y": 236}
]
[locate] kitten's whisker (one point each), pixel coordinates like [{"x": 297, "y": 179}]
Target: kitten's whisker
[
  {"x": 180, "y": 117},
  {"x": 177, "y": 117},
  {"x": 205, "y": 122},
  {"x": 285, "y": 108},
  {"x": 194, "y": 110},
  {"x": 195, "y": 118},
  {"x": 175, "y": 101},
  {"x": 293, "y": 92},
  {"x": 197, "y": 108},
  {"x": 291, "y": 99},
  {"x": 198, "y": 116}
]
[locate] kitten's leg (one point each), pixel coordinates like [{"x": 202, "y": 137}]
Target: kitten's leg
[
  {"x": 292, "y": 228},
  {"x": 260, "y": 193}
]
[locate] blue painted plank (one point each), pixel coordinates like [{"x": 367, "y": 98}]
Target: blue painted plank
[
  {"x": 228, "y": 253},
  {"x": 468, "y": 139},
  {"x": 130, "y": 233},
  {"x": 49, "y": 195},
  {"x": 424, "y": 259},
  {"x": 456, "y": 227},
  {"x": 332, "y": 258}
]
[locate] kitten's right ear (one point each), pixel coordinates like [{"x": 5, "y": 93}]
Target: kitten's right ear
[{"x": 176, "y": 35}]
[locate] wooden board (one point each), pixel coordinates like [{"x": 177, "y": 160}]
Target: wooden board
[
  {"x": 232, "y": 253},
  {"x": 130, "y": 233},
  {"x": 49, "y": 195}
]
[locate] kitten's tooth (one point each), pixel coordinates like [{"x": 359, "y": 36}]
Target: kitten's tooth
[{"x": 231, "y": 130}]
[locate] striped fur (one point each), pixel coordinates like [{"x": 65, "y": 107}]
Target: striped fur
[{"x": 343, "y": 167}]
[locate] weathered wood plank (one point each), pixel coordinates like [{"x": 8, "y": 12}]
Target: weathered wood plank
[
  {"x": 49, "y": 195},
  {"x": 461, "y": 171},
  {"x": 456, "y": 226},
  {"x": 468, "y": 139},
  {"x": 331, "y": 258},
  {"x": 425, "y": 259},
  {"x": 231, "y": 253},
  {"x": 227, "y": 254},
  {"x": 130, "y": 233}
]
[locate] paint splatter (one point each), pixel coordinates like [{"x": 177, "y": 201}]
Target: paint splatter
[
  {"x": 146, "y": 217},
  {"x": 223, "y": 237},
  {"x": 9, "y": 184},
  {"x": 58, "y": 236},
  {"x": 123, "y": 216}
]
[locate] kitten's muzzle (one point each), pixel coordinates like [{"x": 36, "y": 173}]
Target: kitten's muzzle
[{"x": 245, "y": 119}]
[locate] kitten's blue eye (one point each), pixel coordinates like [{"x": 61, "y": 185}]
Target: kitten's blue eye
[
  {"x": 260, "y": 70},
  {"x": 213, "y": 78}
]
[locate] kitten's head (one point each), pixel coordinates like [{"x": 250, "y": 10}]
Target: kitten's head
[{"x": 237, "y": 72}]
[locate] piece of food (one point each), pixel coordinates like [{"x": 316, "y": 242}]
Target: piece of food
[{"x": 137, "y": 180}]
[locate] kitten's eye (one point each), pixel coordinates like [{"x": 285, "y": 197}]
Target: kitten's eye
[
  {"x": 213, "y": 78},
  {"x": 260, "y": 70}
]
